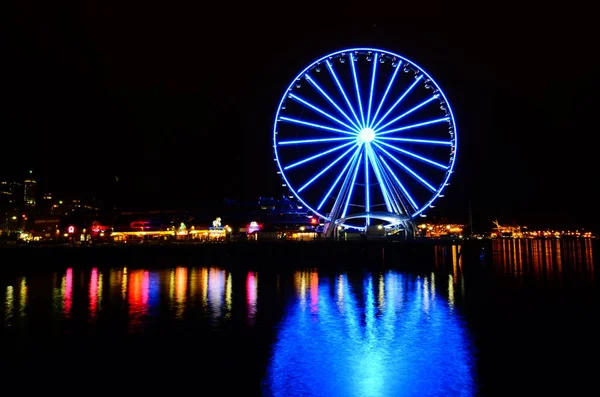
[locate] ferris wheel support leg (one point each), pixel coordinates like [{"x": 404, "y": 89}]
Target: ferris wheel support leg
[{"x": 410, "y": 229}]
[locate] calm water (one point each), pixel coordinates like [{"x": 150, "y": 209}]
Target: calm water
[{"x": 523, "y": 322}]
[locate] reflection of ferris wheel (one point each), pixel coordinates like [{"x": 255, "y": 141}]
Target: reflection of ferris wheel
[{"x": 364, "y": 136}]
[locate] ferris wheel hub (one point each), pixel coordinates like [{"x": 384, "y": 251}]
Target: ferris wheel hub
[{"x": 366, "y": 135}]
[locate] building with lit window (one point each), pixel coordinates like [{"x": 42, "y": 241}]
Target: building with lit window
[{"x": 30, "y": 191}]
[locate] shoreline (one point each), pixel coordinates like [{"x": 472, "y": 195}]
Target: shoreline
[{"x": 267, "y": 254}]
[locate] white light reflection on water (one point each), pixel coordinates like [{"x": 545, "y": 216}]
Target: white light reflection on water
[
  {"x": 216, "y": 290},
  {"x": 406, "y": 341}
]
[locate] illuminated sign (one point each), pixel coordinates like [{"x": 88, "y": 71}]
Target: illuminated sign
[
  {"x": 253, "y": 227},
  {"x": 71, "y": 229},
  {"x": 217, "y": 222}
]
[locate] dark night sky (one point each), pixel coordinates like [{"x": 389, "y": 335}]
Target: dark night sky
[{"x": 178, "y": 100}]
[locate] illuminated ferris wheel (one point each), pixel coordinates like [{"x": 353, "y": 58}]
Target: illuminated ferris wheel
[{"x": 365, "y": 137}]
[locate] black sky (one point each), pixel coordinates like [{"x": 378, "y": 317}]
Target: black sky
[{"x": 178, "y": 100}]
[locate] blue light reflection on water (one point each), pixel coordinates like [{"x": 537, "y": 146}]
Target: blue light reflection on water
[{"x": 392, "y": 335}]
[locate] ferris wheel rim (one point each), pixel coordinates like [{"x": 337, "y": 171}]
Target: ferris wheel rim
[{"x": 452, "y": 163}]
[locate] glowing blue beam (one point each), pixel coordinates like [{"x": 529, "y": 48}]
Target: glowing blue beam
[
  {"x": 379, "y": 177},
  {"x": 416, "y": 156},
  {"x": 301, "y": 142},
  {"x": 314, "y": 83},
  {"x": 313, "y": 125},
  {"x": 398, "y": 101},
  {"x": 385, "y": 93},
  {"x": 395, "y": 193},
  {"x": 408, "y": 127},
  {"x": 410, "y": 111},
  {"x": 411, "y": 140},
  {"x": 408, "y": 196},
  {"x": 339, "y": 177},
  {"x": 367, "y": 198},
  {"x": 362, "y": 116},
  {"x": 401, "y": 164},
  {"x": 337, "y": 82},
  {"x": 351, "y": 186},
  {"x": 324, "y": 170},
  {"x": 372, "y": 85},
  {"x": 340, "y": 122},
  {"x": 316, "y": 156}
]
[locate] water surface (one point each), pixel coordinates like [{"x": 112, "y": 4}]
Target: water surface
[{"x": 520, "y": 323}]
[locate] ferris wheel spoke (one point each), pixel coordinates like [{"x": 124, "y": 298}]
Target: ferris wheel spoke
[
  {"x": 397, "y": 180},
  {"x": 362, "y": 117},
  {"x": 349, "y": 197},
  {"x": 371, "y": 91},
  {"x": 316, "y": 156},
  {"x": 324, "y": 113},
  {"x": 413, "y": 155},
  {"x": 318, "y": 126},
  {"x": 339, "y": 85},
  {"x": 324, "y": 170},
  {"x": 385, "y": 94},
  {"x": 400, "y": 198},
  {"x": 407, "y": 169},
  {"x": 381, "y": 181},
  {"x": 408, "y": 127},
  {"x": 410, "y": 111},
  {"x": 413, "y": 140},
  {"x": 367, "y": 195},
  {"x": 316, "y": 85},
  {"x": 396, "y": 194},
  {"x": 408, "y": 90},
  {"x": 306, "y": 141},
  {"x": 328, "y": 194}
]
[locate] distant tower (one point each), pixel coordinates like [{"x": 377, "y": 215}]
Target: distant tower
[{"x": 30, "y": 191}]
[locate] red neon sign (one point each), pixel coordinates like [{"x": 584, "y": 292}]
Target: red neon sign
[{"x": 71, "y": 229}]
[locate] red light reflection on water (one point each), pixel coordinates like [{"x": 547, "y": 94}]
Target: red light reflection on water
[
  {"x": 68, "y": 294},
  {"x": 93, "y": 293},
  {"x": 139, "y": 284},
  {"x": 251, "y": 295}
]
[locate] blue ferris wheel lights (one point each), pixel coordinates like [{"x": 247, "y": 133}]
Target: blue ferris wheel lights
[
  {"x": 324, "y": 170},
  {"x": 387, "y": 90},
  {"x": 334, "y": 184},
  {"x": 305, "y": 141},
  {"x": 352, "y": 184},
  {"x": 397, "y": 101},
  {"x": 322, "y": 127},
  {"x": 408, "y": 127},
  {"x": 316, "y": 156},
  {"x": 367, "y": 187},
  {"x": 337, "y": 82},
  {"x": 314, "y": 83},
  {"x": 412, "y": 140},
  {"x": 365, "y": 134},
  {"x": 410, "y": 111},
  {"x": 412, "y": 201},
  {"x": 416, "y": 156},
  {"x": 371, "y": 90},
  {"x": 410, "y": 171},
  {"x": 362, "y": 117},
  {"x": 320, "y": 111}
]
